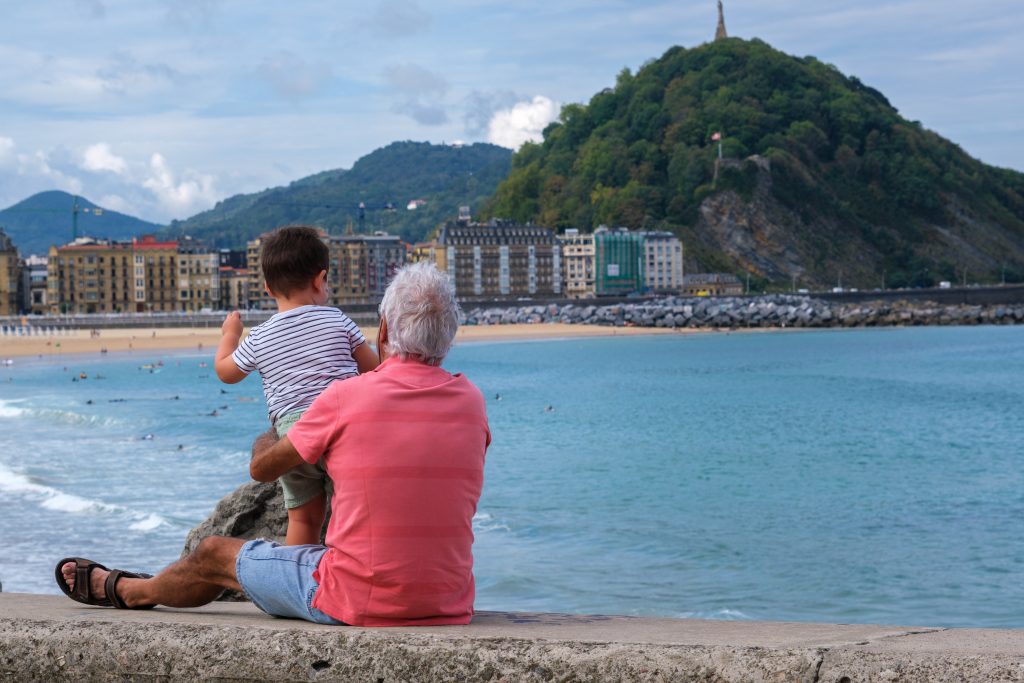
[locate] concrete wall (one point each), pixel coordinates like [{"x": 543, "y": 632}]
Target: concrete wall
[{"x": 44, "y": 638}]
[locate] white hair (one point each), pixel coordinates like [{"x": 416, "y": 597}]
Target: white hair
[{"x": 421, "y": 312}]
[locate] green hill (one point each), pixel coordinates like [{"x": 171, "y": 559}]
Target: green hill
[
  {"x": 46, "y": 218},
  {"x": 444, "y": 176},
  {"x": 822, "y": 179}
]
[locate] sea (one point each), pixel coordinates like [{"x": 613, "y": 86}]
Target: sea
[{"x": 853, "y": 476}]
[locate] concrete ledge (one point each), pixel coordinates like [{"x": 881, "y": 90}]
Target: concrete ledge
[{"x": 45, "y": 638}]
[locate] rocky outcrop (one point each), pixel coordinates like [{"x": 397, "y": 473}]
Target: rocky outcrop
[
  {"x": 253, "y": 510},
  {"x": 776, "y": 310}
]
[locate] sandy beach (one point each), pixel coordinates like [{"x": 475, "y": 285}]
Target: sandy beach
[{"x": 206, "y": 338}]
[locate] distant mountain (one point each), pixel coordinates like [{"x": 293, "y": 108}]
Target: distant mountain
[
  {"x": 46, "y": 218},
  {"x": 443, "y": 177},
  {"x": 822, "y": 180}
]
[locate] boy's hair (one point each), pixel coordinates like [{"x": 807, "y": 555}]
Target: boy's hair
[{"x": 292, "y": 256}]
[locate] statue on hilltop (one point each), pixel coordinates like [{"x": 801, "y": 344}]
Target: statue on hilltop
[{"x": 720, "y": 31}]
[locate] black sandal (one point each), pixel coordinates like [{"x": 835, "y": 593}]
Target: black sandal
[{"x": 83, "y": 586}]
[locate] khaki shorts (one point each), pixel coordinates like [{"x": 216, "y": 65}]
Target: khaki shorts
[{"x": 305, "y": 482}]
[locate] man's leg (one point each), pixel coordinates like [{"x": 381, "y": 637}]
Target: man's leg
[{"x": 190, "y": 582}]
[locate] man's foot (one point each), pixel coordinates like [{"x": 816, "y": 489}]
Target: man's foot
[
  {"x": 97, "y": 579},
  {"x": 91, "y": 583}
]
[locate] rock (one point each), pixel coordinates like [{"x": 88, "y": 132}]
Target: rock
[{"x": 253, "y": 510}]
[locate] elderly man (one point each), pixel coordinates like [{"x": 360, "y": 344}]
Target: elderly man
[{"x": 404, "y": 446}]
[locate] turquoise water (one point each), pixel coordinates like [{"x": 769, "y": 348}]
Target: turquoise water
[{"x": 844, "y": 476}]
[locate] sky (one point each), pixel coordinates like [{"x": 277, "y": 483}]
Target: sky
[{"x": 160, "y": 108}]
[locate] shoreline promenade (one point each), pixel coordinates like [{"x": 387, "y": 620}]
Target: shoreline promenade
[{"x": 44, "y": 638}]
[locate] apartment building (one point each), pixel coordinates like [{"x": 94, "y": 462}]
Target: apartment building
[
  {"x": 9, "y": 276},
  {"x": 34, "y": 277},
  {"x": 499, "y": 258},
  {"x": 198, "y": 276},
  {"x": 663, "y": 257},
  {"x": 362, "y": 266},
  {"x": 618, "y": 261},
  {"x": 577, "y": 263},
  {"x": 95, "y": 276}
]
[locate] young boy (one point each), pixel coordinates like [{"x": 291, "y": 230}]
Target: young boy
[{"x": 298, "y": 352}]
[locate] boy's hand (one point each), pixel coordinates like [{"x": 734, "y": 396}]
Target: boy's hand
[{"x": 232, "y": 324}]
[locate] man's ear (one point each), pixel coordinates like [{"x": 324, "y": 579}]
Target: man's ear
[{"x": 266, "y": 288}]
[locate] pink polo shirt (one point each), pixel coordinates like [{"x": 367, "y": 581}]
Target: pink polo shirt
[{"x": 404, "y": 446}]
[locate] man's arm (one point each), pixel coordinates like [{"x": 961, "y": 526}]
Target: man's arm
[{"x": 272, "y": 457}]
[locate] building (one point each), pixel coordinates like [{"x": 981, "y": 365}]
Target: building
[
  {"x": 618, "y": 262},
  {"x": 663, "y": 256},
  {"x": 143, "y": 275},
  {"x": 95, "y": 276},
  {"x": 359, "y": 270},
  {"x": 10, "y": 276},
  {"x": 578, "y": 263},
  {"x": 362, "y": 266},
  {"x": 35, "y": 277},
  {"x": 234, "y": 288},
  {"x": 499, "y": 259},
  {"x": 256, "y": 287},
  {"x": 157, "y": 263},
  {"x": 232, "y": 258},
  {"x": 198, "y": 276},
  {"x": 712, "y": 284}
]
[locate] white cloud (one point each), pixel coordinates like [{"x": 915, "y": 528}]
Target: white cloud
[
  {"x": 523, "y": 122},
  {"x": 6, "y": 151},
  {"x": 99, "y": 157},
  {"x": 180, "y": 198}
]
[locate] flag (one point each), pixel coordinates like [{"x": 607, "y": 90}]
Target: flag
[{"x": 716, "y": 136}]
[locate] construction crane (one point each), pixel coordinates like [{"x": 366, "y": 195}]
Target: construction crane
[{"x": 75, "y": 210}]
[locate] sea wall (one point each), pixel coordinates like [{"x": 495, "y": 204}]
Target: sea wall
[
  {"x": 777, "y": 310},
  {"x": 46, "y": 638}
]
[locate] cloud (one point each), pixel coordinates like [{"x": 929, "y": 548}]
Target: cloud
[
  {"x": 425, "y": 114},
  {"x": 293, "y": 77},
  {"x": 422, "y": 92},
  {"x": 415, "y": 80},
  {"x": 99, "y": 157},
  {"x": 7, "y": 155},
  {"x": 523, "y": 122},
  {"x": 179, "y": 197},
  {"x": 399, "y": 18},
  {"x": 481, "y": 106}
]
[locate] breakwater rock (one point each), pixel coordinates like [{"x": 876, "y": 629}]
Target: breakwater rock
[{"x": 775, "y": 310}]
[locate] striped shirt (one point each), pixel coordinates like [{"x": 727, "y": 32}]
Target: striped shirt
[{"x": 298, "y": 353}]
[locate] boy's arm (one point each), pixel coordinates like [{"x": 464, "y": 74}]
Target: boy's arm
[
  {"x": 231, "y": 332},
  {"x": 365, "y": 357}
]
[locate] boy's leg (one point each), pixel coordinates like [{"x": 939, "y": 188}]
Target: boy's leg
[
  {"x": 306, "y": 521},
  {"x": 190, "y": 582}
]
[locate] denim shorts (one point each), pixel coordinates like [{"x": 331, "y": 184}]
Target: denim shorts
[{"x": 279, "y": 579}]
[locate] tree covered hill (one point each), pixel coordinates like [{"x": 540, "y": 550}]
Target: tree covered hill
[
  {"x": 46, "y": 218},
  {"x": 822, "y": 179},
  {"x": 444, "y": 176}
]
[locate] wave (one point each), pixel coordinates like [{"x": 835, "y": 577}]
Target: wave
[
  {"x": 8, "y": 409},
  {"x": 483, "y": 522},
  {"x": 54, "y": 499}
]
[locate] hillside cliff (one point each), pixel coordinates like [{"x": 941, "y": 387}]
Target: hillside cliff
[{"x": 822, "y": 180}]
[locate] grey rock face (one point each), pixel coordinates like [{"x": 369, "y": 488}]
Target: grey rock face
[{"x": 253, "y": 510}]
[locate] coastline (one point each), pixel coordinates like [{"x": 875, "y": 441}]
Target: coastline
[{"x": 205, "y": 339}]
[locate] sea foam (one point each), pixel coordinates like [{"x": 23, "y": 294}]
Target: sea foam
[{"x": 52, "y": 498}]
